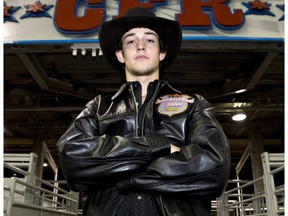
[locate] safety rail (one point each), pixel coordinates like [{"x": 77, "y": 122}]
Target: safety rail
[
  {"x": 40, "y": 199},
  {"x": 272, "y": 165},
  {"x": 242, "y": 200},
  {"x": 22, "y": 197}
]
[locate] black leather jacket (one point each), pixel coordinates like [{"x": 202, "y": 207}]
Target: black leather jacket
[{"x": 104, "y": 155}]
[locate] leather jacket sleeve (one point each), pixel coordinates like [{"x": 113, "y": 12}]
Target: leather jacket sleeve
[
  {"x": 92, "y": 160},
  {"x": 201, "y": 168}
]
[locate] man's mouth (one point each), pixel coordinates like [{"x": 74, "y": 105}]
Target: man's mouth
[{"x": 140, "y": 57}]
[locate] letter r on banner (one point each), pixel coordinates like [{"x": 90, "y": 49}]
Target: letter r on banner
[{"x": 192, "y": 15}]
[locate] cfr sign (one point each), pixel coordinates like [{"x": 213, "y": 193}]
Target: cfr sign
[{"x": 193, "y": 14}]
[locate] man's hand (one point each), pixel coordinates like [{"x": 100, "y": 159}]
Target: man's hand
[{"x": 174, "y": 148}]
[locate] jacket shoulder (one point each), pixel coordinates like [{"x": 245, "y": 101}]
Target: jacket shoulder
[{"x": 96, "y": 106}]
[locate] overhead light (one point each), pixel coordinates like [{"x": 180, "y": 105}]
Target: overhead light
[
  {"x": 86, "y": 47},
  {"x": 83, "y": 51},
  {"x": 74, "y": 52},
  {"x": 240, "y": 91},
  {"x": 45, "y": 164},
  {"x": 239, "y": 116},
  {"x": 100, "y": 52},
  {"x": 94, "y": 53}
]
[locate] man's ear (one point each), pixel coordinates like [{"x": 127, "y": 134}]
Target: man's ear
[
  {"x": 162, "y": 55},
  {"x": 120, "y": 57}
]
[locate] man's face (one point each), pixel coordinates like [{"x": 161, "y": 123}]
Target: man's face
[{"x": 140, "y": 52}]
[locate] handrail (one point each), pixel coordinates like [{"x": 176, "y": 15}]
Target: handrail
[
  {"x": 244, "y": 185},
  {"x": 15, "y": 169},
  {"x": 41, "y": 208},
  {"x": 43, "y": 190},
  {"x": 23, "y": 192},
  {"x": 246, "y": 200},
  {"x": 278, "y": 169},
  {"x": 51, "y": 185},
  {"x": 270, "y": 202}
]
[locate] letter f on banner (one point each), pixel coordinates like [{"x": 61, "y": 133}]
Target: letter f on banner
[{"x": 66, "y": 19}]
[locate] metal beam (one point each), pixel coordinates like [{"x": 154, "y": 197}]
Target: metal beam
[
  {"x": 270, "y": 57},
  {"x": 46, "y": 83}
]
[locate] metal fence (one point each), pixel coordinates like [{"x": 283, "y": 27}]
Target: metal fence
[
  {"x": 22, "y": 197},
  {"x": 240, "y": 199}
]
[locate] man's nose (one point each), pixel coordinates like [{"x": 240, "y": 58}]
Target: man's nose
[{"x": 141, "y": 46}]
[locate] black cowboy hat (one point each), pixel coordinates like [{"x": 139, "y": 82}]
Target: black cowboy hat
[{"x": 111, "y": 32}]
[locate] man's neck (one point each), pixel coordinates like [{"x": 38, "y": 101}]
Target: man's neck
[{"x": 144, "y": 81}]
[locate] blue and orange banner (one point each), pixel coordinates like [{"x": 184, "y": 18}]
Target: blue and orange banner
[{"x": 74, "y": 21}]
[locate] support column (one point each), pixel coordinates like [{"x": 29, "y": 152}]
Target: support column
[
  {"x": 38, "y": 149},
  {"x": 256, "y": 149}
]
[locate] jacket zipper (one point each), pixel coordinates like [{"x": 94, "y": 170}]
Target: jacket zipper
[
  {"x": 162, "y": 206},
  {"x": 145, "y": 112},
  {"x": 136, "y": 135},
  {"x": 136, "y": 109},
  {"x": 114, "y": 212},
  {"x": 142, "y": 132}
]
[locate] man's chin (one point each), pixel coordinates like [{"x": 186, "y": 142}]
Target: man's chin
[{"x": 142, "y": 72}]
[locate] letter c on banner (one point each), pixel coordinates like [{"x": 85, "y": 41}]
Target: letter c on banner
[{"x": 67, "y": 21}]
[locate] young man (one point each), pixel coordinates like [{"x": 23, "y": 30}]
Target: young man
[{"x": 149, "y": 149}]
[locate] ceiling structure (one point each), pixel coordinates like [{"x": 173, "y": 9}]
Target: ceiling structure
[{"x": 45, "y": 88}]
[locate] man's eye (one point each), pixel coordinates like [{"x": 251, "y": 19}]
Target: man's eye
[
  {"x": 130, "y": 42},
  {"x": 150, "y": 41}
]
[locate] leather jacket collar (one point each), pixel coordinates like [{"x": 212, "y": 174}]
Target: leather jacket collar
[{"x": 126, "y": 86}]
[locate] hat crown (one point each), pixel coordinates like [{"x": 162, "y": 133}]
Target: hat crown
[{"x": 139, "y": 11}]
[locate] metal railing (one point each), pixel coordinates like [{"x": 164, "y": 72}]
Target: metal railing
[
  {"x": 22, "y": 197},
  {"x": 241, "y": 199}
]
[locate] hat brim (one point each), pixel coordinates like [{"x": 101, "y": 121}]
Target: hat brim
[{"x": 111, "y": 32}]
